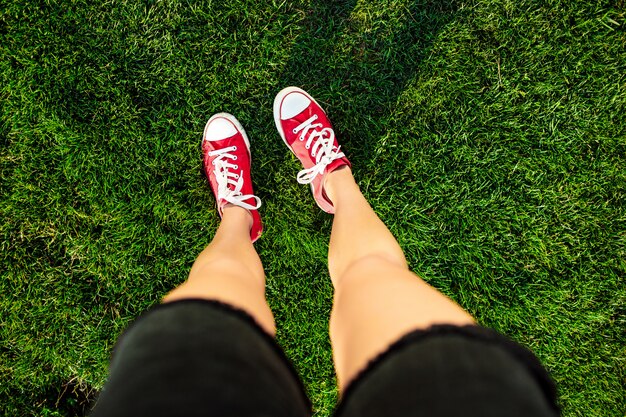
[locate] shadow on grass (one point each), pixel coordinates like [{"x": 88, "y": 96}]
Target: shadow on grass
[
  {"x": 366, "y": 61},
  {"x": 356, "y": 61},
  {"x": 61, "y": 398}
]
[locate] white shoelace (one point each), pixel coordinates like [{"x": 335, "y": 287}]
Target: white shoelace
[
  {"x": 225, "y": 177},
  {"x": 322, "y": 148}
]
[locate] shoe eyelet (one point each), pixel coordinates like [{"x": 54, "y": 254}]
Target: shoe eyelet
[
  {"x": 234, "y": 157},
  {"x": 312, "y": 153},
  {"x": 307, "y": 146},
  {"x": 294, "y": 131},
  {"x": 236, "y": 166},
  {"x": 235, "y": 147}
]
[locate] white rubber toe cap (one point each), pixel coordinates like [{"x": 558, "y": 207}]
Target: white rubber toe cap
[
  {"x": 293, "y": 104},
  {"x": 219, "y": 128}
]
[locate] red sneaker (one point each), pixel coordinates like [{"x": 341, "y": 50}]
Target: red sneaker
[
  {"x": 226, "y": 161},
  {"x": 303, "y": 125}
]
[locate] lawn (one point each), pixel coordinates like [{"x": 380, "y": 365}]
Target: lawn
[{"x": 489, "y": 135}]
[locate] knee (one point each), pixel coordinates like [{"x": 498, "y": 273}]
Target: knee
[
  {"x": 224, "y": 265},
  {"x": 372, "y": 265}
]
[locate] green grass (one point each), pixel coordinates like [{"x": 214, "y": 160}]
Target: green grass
[{"x": 490, "y": 136}]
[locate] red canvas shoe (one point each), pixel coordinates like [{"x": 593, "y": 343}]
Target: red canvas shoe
[
  {"x": 303, "y": 125},
  {"x": 226, "y": 160}
]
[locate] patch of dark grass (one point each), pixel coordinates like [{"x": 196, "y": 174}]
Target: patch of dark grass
[{"x": 60, "y": 398}]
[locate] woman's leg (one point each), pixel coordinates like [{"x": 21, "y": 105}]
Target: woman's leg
[
  {"x": 229, "y": 270},
  {"x": 377, "y": 299},
  {"x": 195, "y": 358}
]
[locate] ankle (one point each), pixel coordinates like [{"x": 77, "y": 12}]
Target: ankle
[
  {"x": 337, "y": 181},
  {"x": 237, "y": 214}
]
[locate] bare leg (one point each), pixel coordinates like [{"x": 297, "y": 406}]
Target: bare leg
[
  {"x": 377, "y": 299},
  {"x": 229, "y": 270}
]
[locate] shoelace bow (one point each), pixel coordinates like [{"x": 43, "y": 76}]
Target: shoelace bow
[
  {"x": 322, "y": 149},
  {"x": 229, "y": 184}
]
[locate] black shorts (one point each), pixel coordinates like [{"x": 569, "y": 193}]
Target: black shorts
[{"x": 204, "y": 358}]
